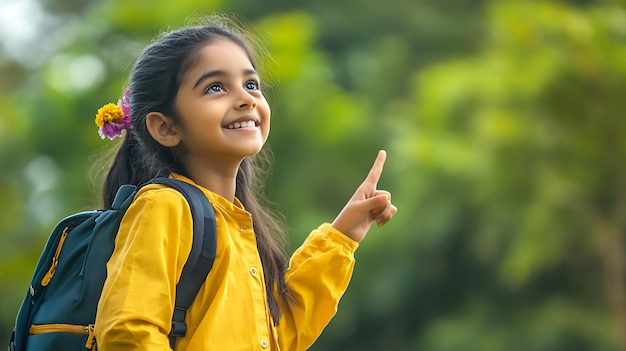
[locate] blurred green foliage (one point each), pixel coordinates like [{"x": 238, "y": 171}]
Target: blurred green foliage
[{"x": 506, "y": 157}]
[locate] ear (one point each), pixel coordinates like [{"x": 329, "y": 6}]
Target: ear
[{"x": 163, "y": 129}]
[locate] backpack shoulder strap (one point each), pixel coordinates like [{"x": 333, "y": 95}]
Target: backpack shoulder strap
[{"x": 201, "y": 256}]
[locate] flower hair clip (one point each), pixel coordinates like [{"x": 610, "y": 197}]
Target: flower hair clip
[{"x": 113, "y": 119}]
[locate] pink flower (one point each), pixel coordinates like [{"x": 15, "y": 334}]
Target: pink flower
[
  {"x": 112, "y": 130},
  {"x": 113, "y": 119},
  {"x": 124, "y": 104}
]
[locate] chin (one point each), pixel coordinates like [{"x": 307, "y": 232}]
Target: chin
[{"x": 251, "y": 151}]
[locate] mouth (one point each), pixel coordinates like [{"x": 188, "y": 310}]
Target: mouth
[{"x": 242, "y": 124}]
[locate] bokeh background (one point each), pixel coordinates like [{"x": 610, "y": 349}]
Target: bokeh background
[{"x": 503, "y": 121}]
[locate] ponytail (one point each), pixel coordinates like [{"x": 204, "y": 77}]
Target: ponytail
[{"x": 123, "y": 170}]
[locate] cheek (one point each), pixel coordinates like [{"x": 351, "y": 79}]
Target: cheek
[
  {"x": 266, "y": 131},
  {"x": 265, "y": 112},
  {"x": 262, "y": 103}
]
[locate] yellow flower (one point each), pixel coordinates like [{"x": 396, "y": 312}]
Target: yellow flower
[{"x": 109, "y": 113}]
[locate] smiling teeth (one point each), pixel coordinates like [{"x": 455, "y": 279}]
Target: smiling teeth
[{"x": 241, "y": 125}]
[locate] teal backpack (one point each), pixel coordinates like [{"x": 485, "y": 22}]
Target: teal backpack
[{"x": 59, "y": 310}]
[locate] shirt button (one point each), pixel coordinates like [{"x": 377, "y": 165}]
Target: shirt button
[
  {"x": 264, "y": 344},
  {"x": 253, "y": 271}
]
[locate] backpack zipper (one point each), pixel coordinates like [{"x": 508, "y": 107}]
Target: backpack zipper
[
  {"x": 89, "y": 330},
  {"x": 55, "y": 259}
]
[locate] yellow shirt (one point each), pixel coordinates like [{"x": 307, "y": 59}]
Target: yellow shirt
[{"x": 230, "y": 311}]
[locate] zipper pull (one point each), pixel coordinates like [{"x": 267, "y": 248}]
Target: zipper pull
[
  {"x": 91, "y": 339},
  {"x": 55, "y": 259}
]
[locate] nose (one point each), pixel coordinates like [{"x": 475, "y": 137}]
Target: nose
[
  {"x": 246, "y": 105},
  {"x": 245, "y": 100}
]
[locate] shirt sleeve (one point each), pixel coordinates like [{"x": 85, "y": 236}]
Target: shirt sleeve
[
  {"x": 318, "y": 275},
  {"x": 135, "y": 308}
]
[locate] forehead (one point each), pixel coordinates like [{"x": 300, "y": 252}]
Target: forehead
[{"x": 220, "y": 54}]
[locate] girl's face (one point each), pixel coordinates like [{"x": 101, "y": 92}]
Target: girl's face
[{"x": 223, "y": 114}]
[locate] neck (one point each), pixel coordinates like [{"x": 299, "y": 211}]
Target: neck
[{"x": 218, "y": 178}]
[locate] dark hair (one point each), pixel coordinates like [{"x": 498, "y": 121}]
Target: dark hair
[{"x": 153, "y": 86}]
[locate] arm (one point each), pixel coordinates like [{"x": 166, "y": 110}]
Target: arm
[
  {"x": 321, "y": 268},
  {"x": 318, "y": 275},
  {"x": 135, "y": 308}
]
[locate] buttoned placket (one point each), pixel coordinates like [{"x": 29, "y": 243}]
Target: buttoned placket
[{"x": 258, "y": 292}]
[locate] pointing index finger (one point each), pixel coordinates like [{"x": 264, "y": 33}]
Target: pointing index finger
[{"x": 377, "y": 168}]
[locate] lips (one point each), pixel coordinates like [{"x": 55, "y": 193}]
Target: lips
[
  {"x": 246, "y": 121},
  {"x": 243, "y": 124}
]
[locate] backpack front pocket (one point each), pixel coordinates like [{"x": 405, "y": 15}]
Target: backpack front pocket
[{"x": 50, "y": 333}]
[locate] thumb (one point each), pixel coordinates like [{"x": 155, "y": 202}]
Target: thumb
[{"x": 373, "y": 202}]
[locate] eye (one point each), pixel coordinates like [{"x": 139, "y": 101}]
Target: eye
[
  {"x": 214, "y": 88},
  {"x": 252, "y": 85}
]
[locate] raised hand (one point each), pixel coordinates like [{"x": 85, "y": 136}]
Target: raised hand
[{"x": 367, "y": 205}]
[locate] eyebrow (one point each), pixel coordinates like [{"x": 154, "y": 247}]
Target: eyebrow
[{"x": 220, "y": 73}]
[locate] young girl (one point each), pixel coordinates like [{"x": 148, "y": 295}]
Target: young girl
[{"x": 194, "y": 111}]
